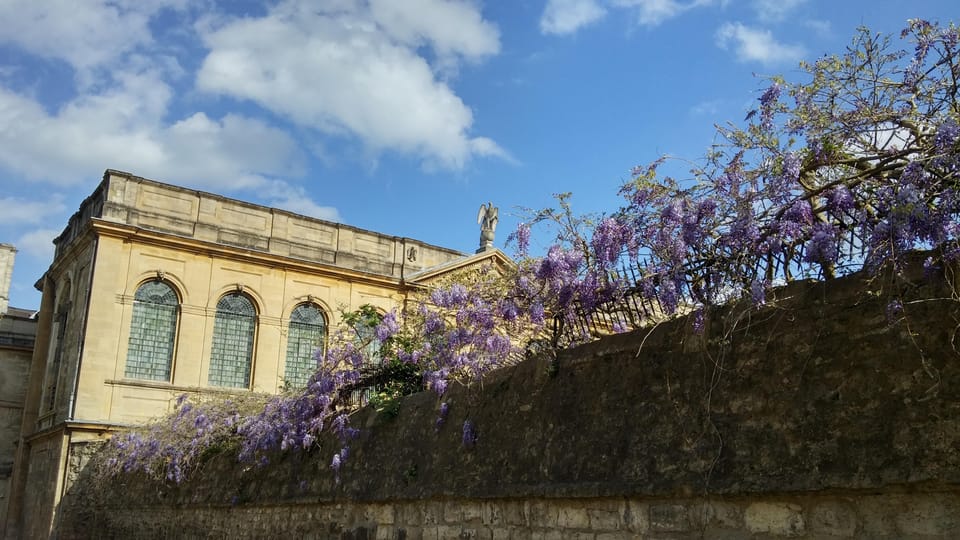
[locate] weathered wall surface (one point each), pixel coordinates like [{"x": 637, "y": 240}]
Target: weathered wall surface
[
  {"x": 14, "y": 365},
  {"x": 819, "y": 415},
  {"x": 17, "y": 331},
  {"x": 893, "y": 516},
  {"x": 43, "y": 482}
]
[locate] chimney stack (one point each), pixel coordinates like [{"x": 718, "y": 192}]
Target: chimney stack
[{"x": 7, "y": 254}]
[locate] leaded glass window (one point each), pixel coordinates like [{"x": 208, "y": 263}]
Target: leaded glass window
[
  {"x": 306, "y": 335},
  {"x": 232, "y": 352},
  {"x": 153, "y": 329},
  {"x": 366, "y": 331},
  {"x": 367, "y": 339}
]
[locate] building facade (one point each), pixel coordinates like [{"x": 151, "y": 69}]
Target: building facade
[
  {"x": 17, "y": 330},
  {"x": 156, "y": 291}
]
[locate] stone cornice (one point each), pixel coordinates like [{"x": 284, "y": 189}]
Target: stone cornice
[{"x": 191, "y": 245}]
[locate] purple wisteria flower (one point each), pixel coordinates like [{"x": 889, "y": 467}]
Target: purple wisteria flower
[
  {"x": 388, "y": 327},
  {"x": 930, "y": 268},
  {"x": 341, "y": 427},
  {"x": 609, "y": 241},
  {"x": 948, "y": 133},
  {"x": 335, "y": 464},
  {"x": 840, "y": 200},
  {"x": 469, "y": 434},
  {"x": 768, "y": 102},
  {"x": 508, "y": 309},
  {"x": 436, "y": 380},
  {"x": 822, "y": 246},
  {"x": 697, "y": 321},
  {"x": 758, "y": 292},
  {"x": 791, "y": 167},
  {"x": 452, "y": 297},
  {"x": 523, "y": 239},
  {"x": 669, "y": 296},
  {"x": 537, "y": 313},
  {"x": 442, "y": 416},
  {"x": 894, "y": 311}
]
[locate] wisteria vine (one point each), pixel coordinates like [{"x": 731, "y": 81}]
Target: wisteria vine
[{"x": 846, "y": 171}]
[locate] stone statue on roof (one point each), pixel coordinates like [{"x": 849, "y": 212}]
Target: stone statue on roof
[{"x": 487, "y": 217}]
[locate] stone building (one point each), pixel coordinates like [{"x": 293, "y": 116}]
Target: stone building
[
  {"x": 17, "y": 330},
  {"x": 156, "y": 291}
]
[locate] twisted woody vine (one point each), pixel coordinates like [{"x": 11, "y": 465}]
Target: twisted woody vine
[{"x": 845, "y": 171}]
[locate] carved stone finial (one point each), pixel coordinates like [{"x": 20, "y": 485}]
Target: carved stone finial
[{"x": 487, "y": 217}]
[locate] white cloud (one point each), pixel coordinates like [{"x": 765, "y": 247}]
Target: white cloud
[
  {"x": 357, "y": 70},
  {"x": 121, "y": 119},
  {"x": 123, "y": 129},
  {"x": 87, "y": 35},
  {"x": 706, "y": 108},
  {"x": 450, "y": 27},
  {"x": 821, "y": 27},
  {"x": 568, "y": 16},
  {"x": 483, "y": 146},
  {"x": 38, "y": 243},
  {"x": 18, "y": 211},
  {"x": 775, "y": 10},
  {"x": 757, "y": 45},
  {"x": 233, "y": 152},
  {"x": 294, "y": 199},
  {"x": 368, "y": 71},
  {"x": 655, "y": 12}
]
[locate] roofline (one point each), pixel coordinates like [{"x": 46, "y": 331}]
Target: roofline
[
  {"x": 457, "y": 264},
  {"x": 198, "y": 192}
]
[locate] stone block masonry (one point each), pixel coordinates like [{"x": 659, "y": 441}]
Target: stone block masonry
[
  {"x": 903, "y": 515},
  {"x": 815, "y": 416}
]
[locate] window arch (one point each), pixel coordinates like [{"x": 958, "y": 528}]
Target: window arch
[
  {"x": 231, "y": 354},
  {"x": 307, "y": 334},
  {"x": 153, "y": 330}
]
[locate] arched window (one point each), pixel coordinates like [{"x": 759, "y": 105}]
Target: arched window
[
  {"x": 232, "y": 352},
  {"x": 364, "y": 322},
  {"x": 367, "y": 340},
  {"x": 153, "y": 329},
  {"x": 307, "y": 333}
]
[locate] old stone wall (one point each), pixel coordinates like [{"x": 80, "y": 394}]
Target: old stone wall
[
  {"x": 913, "y": 515},
  {"x": 42, "y": 481},
  {"x": 823, "y": 414},
  {"x": 17, "y": 332},
  {"x": 14, "y": 365}
]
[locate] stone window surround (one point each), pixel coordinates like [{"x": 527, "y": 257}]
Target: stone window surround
[
  {"x": 234, "y": 340},
  {"x": 173, "y": 332},
  {"x": 297, "y": 323}
]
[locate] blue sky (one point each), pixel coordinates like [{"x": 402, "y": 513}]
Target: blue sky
[{"x": 400, "y": 116}]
